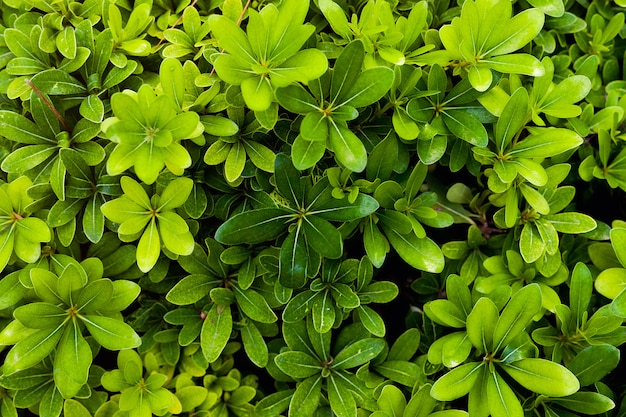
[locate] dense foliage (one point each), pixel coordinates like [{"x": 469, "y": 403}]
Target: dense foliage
[{"x": 312, "y": 208}]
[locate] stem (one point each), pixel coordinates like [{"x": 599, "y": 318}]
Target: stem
[{"x": 48, "y": 104}]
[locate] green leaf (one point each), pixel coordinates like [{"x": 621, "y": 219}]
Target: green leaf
[
  {"x": 531, "y": 244},
  {"x": 512, "y": 119},
  {"x": 371, "y": 320},
  {"x": 72, "y": 361},
  {"x": 254, "y": 305},
  {"x": 618, "y": 240},
  {"x": 296, "y": 99},
  {"x": 323, "y": 312},
  {"x": 302, "y": 66},
  {"x": 254, "y": 226},
  {"x": 173, "y": 80},
  {"x": 298, "y": 364},
  {"x": 257, "y": 93},
  {"x": 465, "y": 126},
  {"x": 358, "y": 353},
  {"x": 481, "y": 323},
  {"x": 502, "y": 400},
  {"x": 420, "y": 253},
  {"x": 19, "y": 129},
  {"x": 515, "y": 64},
  {"x": 149, "y": 247},
  {"x": 548, "y": 142},
  {"x": 346, "y": 71},
  {"x": 306, "y": 153},
  {"x": 336, "y": 17},
  {"x": 371, "y": 85},
  {"x": 112, "y": 334},
  {"x": 75, "y": 409},
  {"x": 191, "y": 288},
  {"x": 306, "y": 398},
  {"x": 322, "y": 236},
  {"x": 457, "y": 382},
  {"x": 254, "y": 345},
  {"x": 340, "y": 397},
  {"x": 294, "y": 260},
  {"x": 348, "y": 148},
  {"x": 40, "y": 315},
  {"x": 216, "y": 330},
  {"x": 571, "y": 222},
  {"x": 543, "y": 376},
  {"x": 57, "y": 82},
  {"x": 274, "y": 404},
  {"x": 517, "y": 314},
  {"x": 585, "y": 402},
  {"x": 32, "y": 349},
  {"x": 27, "y": 157},
  {"x": 593, "y": 363},
  {"x": 480, "y": 77},
  {"x": 175, "y": 194},
  {"x": 92, "y": 108},
  {"x": 261, "y": 156},
  {"x": 581, "y": 286}
]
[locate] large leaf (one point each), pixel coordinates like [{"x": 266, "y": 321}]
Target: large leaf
[
  {"x": 72, "y": 361},
  {"x": 502, "y": 400},
  {"x": 298, "y": 364},
  {"x": 111, "y": 333},
  {"x": 464, "y": 125},
  {"x": 254, "y": 226},
  {"x": 420, "y": 253},
  {"x": 543, "y": 376},
  {"x": 457, "y": 382},
  {"x": 32, "y": 349},
  {"x": 548, "y": 142},
  {"x": 323, "y": 237},
  {"x": 517, "y": 314},
  {"x": 216, "y": 330},
  {"x": 358, "y": 353}
]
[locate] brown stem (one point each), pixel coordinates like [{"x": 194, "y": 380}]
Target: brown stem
[{"x": 50, "y": 105}]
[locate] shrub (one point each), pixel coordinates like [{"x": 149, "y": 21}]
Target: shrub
[{"x": 352, "y": 208}]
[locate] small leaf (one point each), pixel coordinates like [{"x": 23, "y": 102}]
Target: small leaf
[
  {"x": 517, "y": 314},
  {"x": 358, "y": 353}
]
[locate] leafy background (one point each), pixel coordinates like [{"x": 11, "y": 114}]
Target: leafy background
[{"x": 351, "y": 208}]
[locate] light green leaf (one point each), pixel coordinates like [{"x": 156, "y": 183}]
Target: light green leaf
[
  {"x": 72, "y": 361},
  {"x": 457, "y": 382},
  {"x": 571, "y": 222},
  {"x": 515, "y": 64},
  {"x": 111, "y": 333},
  {"x": 465, "y": 126},
  {"x": 340, "y": 397},
  {"x": 586, "y": 402},
  {"x": 306, "y": 153},
  {"x": 481, "y": 323},
  {"x": 306, "y": 398},
  {"x": 149, "y": 247},
  {"x": 501, "y": 398},
  {"x": 257, "y": 93},
  {"x": 548, "y": 142},
  {"x": 543, "y": 376},
  {"x": 173, "y": 80},
  {"x": 32, "y": 349}
]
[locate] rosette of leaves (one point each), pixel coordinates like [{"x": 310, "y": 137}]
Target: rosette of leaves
[
  {"x": 142, "y": 394},
  {"x": 440, "y": 113},
  {"x": 323, "y": 371},
  {"x": 577, "y": 326},
  {"x": 152, "y": 220},
  {"x": 399, "y": 223},
  {"x": 330, "y": 102},
  {"x": 128, "y": 39},
  {"x": 191, "y": 40},
  {"x": 496, "y": 330},
  {"x": 232, "y": 303},
  {"x": 305, "y": 214},
  {"x": 85, "y": 192},
  {"x": 267, "y": 55},
  {"x": 76, "y": 299},
  {"x": 21, "y": 234},
  {"x": 340, "y": 289},
  {"x": 484, "y": 37},
  {"x": 147, "y": 128},
  {"x": 238, "y": 141},
  {"x": 42, "y": 140},
  {"x": 387, "y": 40}
]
